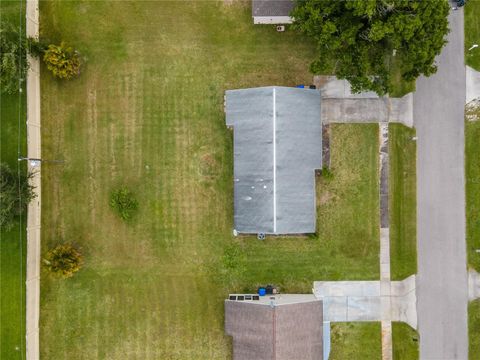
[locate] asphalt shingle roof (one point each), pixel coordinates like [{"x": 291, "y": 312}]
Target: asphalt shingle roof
[
  {"x": 277, "y": 147},
  {"x": 284, "y": 332},
  {"x": 272, "y": 7}
]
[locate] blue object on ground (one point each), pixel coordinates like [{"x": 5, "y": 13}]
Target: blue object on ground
[
  {"x": 300, "y": 86},
  {"x": 262, "y": 291}
]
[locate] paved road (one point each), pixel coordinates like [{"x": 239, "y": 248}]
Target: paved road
[{"x": 442, "y": 277}]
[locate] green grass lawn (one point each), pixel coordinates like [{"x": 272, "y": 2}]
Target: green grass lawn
[
  {"x": 356, "y": 340},
  {"x": 405, "y": 342},
  {"x": 402, "y": 205},
  {"x": 12, "y": 243},
  {"x": 474, "y": 329},
  {"x": 12, "y": 277},
  {"x": 399, "y": 86},
  {"x": 147, "y": 112},
  {"x": 402, "y": 212},
  {"x": 472, "y": 174},
  {"x": 331, "y": 255},
  {"x": 472, "y": 170},
  {"x": 472, "y": 33}
]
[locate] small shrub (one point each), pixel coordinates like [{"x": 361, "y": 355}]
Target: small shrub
[
  {"x": 36, "y": 47},
  {"x": 327, "y": 174},
  {"x": 64, "y": 260},
  {"x": 62, "y": 61},
  {"x": 123, "y": 202}
]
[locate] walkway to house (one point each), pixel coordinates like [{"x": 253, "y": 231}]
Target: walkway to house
[
  {"x": 473, "y": 285},
  {"x": 34, "y": 208}
]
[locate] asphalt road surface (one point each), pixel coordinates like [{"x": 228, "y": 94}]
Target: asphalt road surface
[{"x": 442, "y": 293}]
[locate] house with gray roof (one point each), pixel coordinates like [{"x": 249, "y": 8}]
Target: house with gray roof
[
  {"x": 282, "y": 327},
  {"x": 277, "y": 137},
  {"x": 272, "y": 11}
]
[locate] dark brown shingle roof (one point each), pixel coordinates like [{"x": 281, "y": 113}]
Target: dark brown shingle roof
[
  {"x": 282, "y": 332},
  {"x": 272, "y": 7}
]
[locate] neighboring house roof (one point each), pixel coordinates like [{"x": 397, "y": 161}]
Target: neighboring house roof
[
  {"x": 272, "y": 7},
  {"x": 279, "y": 331},
  {"x": 277, "y": 147}
]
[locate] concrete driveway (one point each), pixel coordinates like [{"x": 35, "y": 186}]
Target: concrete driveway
[
  {"x": 340, "y": 105},
  {"x": 473, "y": 84},
  {"x": 345, "y": 301},
  {"x": 442, "y": 289}
]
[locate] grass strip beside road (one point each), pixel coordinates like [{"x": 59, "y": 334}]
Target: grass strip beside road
[
  {"x": 472, "y": 33},
  {"x": 405, "y": 342},
  {"x": 472, "y": 170},
  {"x": 402, "y": 201},
  {"x": 474, "y": 329},
  {"x": 399, "y": 86}
]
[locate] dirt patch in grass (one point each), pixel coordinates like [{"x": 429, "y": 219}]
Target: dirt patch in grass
[
  {"x": 325, "y": 198},
  {"x": 207, "y": 165},
  {"x": 472, "y": 110}
]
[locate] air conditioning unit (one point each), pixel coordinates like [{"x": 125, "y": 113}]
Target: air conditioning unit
[{"x": 280, "y": 28}]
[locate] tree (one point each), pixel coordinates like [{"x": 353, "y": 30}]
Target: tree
[
  {"x": 62, "y": 61},
  {"x": 64, "y": 260},
  {"x": 15, "y": 194},
  {"x": 358, "y": 38},
  {"x": 13, "y": 58}
]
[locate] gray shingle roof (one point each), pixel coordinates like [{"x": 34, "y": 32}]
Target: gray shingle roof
[
  {"x": 284, "y": 332},
  {"x": 272, "y": 7},
  {"x": 277, "y": 147}
]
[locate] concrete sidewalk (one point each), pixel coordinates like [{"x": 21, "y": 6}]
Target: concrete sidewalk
[{"x": 34, "y": 208}]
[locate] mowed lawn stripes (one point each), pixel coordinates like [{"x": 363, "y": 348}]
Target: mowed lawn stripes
[{"x": 147, "y": 113}]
